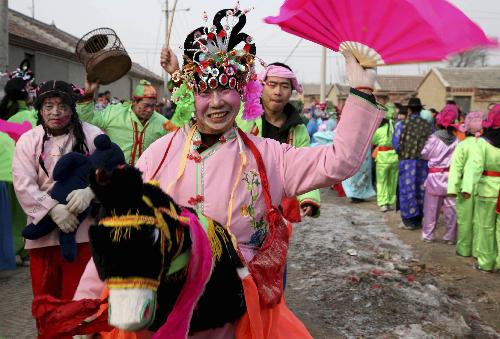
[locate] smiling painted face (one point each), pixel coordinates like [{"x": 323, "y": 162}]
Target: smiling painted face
[{"x": 216, "y": 110}]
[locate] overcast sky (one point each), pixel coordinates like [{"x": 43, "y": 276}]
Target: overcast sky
[{"x": 141, "y": 27}]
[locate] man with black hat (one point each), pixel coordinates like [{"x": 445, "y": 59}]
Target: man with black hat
[
  {"x": 409, "y": 139},
  {"x": 37, "y": 152}
]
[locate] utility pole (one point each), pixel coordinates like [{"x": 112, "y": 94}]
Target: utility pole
[
  {"x": 168, "y": 34},
  {"x": 4, "y": 41},
  {"x": 165, "y": 73},
  {"x": 322, "y": 88}
]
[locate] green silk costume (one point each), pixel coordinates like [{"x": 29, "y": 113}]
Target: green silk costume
[
  {"x": 123, "y": 127},
  {"x": 24, "y": 114},
  {"x": 485, "y": 157},
  {"x": 464, "y": 207},
  {"x": 386, "y": 162}
]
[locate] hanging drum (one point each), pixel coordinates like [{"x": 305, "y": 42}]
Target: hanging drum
[{"x": 103, "y": 56}]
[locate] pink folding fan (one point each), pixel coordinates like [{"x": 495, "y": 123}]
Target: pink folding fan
[{"x": 383, "y": 32}]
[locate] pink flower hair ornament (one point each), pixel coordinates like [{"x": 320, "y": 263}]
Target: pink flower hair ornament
[{"x": 251, "y": 97}]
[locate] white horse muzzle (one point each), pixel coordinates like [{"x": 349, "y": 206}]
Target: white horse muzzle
[{"x": 131, "y": 309}]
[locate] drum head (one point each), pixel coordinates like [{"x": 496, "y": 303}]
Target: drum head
[{"x": 108, "y": 67}]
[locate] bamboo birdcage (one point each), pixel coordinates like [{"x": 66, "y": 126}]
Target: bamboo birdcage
[{"x": 103, "y": 55}]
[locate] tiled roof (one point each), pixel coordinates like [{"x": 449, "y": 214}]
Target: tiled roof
[
  {"x": 398, "y": 83},
  {"x": 481, "y": 77},
  {"x": 28, "y": 32}
]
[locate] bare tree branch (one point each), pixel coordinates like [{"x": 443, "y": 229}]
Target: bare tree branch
[{"x": 472, "y": 58}]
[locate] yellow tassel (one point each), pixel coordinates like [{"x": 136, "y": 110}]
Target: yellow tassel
[
  {"x": 215, "y": 243},
  {"x": 161, "y": 223},
  {"x": 182, "y": 165},
  {"x": 127, "y": 221},
  {"x": 122, "y": 225}
]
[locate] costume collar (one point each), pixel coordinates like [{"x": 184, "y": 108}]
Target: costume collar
[
  {"x": 135, "y": 118},
  {"x": 196, "y": 140}
]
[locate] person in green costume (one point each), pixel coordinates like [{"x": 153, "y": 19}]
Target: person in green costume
[
  {"x": 386, "y": 160},
  {"x": 14, "y": 108},
  {"x": 465, "y": 207},
  {"x": 24, "y": 114},
  {"x": 14, "y": 104},
  {"x": 282, "y": 122},
  {"x": 132, "y": 126},
  {"x": 483, "y": 168},
  {"x": 7, "y": 254}
]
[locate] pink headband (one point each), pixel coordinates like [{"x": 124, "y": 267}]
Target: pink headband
[
  {"x": 473, "y": 123},
  {"x": 280, "y": 72}
]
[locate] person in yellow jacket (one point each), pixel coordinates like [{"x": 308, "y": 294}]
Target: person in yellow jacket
[
  {"x": 465, "y": 207},
  {"x": 386, "y": 161},
  {"x": 132, "y": 126},
  {"x": 483, "y": 169}
]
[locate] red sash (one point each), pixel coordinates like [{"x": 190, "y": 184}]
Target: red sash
[
  {"x": 268, "y": 264},
  {"x": 438, "y": 170},
  {"x": 494, "y": 174},
  {"x": 491, "y": 174}
]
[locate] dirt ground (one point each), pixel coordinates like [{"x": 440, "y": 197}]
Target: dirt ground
[{"x": 354, "y": 273}]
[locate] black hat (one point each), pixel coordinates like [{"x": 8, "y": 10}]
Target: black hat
[
  {"x": 67, "y": 92},
  {"x": 414, "y": 103}
]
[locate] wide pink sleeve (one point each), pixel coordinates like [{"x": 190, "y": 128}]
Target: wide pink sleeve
[
  {"x": 35, "y": 202},
  {"x": 305, "y": 169}
]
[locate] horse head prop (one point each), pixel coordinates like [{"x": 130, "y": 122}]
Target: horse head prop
[{"x": 164, "y": 264}]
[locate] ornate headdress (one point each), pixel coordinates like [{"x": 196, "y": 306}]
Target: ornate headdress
[
  {"x": 19, "y": 82},
  {"x": 213, "y": 60},
  {"x": 23, "y": 72}
]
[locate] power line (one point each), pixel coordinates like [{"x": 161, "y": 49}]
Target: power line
[{"x": 293, "y": 50}]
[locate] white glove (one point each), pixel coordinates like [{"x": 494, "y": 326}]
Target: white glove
[
  {"x": 65, "y": 220},
  {"x": 79, "y": 200},
  {"x": 356, "y": 74}
]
